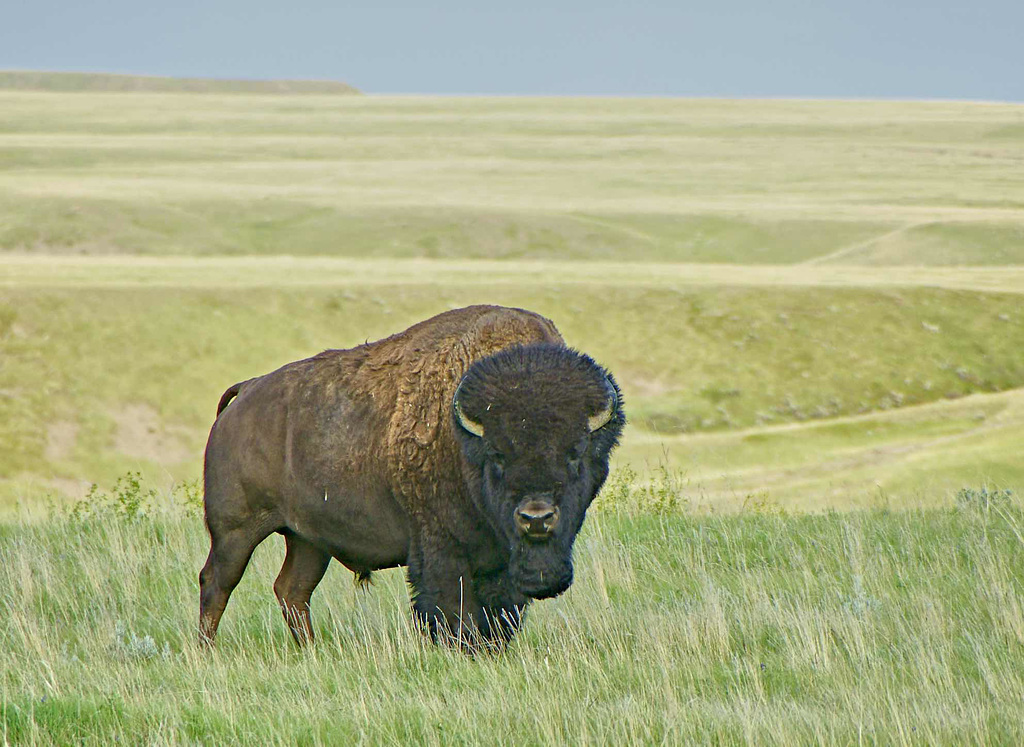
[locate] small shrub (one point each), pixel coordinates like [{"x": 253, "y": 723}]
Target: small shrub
[
  {"x": 189, "y": 496},
  {"x": 618, "y": 489},
  {"x": 130, "y": 646},
  {"x": 662, "y": 494},
  {"x": 860, "y": 602},
  {"x": 968, "y": 499},
  {"x": 128, "y": 500},
  {"x": 760, "y": 503}
]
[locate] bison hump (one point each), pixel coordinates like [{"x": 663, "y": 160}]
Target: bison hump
[{"x": 428, "y": 366}]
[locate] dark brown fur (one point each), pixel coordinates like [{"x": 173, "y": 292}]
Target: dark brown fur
[{"x": 355, "y": 455}]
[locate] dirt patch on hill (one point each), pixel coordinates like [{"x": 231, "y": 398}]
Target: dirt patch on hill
[
  {"x": 74, "y": 489},
  {"x": 645, "y": 386},
  {"x": 60, "y": 440},
  {"x": 142, "y": 434}
]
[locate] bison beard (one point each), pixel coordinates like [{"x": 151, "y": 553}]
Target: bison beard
[{"x": 467, "y": 448}]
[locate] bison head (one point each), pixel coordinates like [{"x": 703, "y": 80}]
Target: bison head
[{"x": 536, "y": 425}]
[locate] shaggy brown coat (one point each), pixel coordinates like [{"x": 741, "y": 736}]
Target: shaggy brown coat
[{"x": 354, "y": 454}]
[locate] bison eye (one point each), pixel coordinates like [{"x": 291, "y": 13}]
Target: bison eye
[
  {"x": 576, "y": 456},
  {"x": 497, "y": 462}
]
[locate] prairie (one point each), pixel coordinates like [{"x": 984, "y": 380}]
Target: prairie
[
  {"x": 756, "y": 628},
  {"x": 743, "y": 182},
  {"x": 813, "y": 531}
]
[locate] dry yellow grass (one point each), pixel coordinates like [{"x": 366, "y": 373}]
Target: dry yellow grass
[{"x": 60, "y": 271}]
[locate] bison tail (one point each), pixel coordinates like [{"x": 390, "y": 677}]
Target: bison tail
[{"x": 230, "y": 394}]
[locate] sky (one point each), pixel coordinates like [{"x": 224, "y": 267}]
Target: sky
[{"x": 912, "y": 49}]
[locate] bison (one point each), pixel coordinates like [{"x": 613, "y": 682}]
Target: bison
[{"x": 467, "y": 448}]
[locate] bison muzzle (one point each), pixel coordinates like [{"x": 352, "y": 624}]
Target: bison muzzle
[{"x": 467, "y": 448}]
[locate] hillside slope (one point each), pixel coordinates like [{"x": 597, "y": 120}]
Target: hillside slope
[
  {"x": 30, "y": 80},
  {"x": 658, "y": 180},
  {"x": 117, "y": 364}
]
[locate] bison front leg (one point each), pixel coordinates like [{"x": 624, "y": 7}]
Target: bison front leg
[
  {"x": 444, "y": 603},
  {"x": 503, "y": 608}
]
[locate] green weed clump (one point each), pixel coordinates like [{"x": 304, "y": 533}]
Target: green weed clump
[
  {"x": 663, "y": 492},
  {"x": 983, "y": 498},
  {"x": 127, "y": 500},
  {"x": 681, "y": 627}
]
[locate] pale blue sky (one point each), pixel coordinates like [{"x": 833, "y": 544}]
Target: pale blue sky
[{"x": 776, "y": 48}]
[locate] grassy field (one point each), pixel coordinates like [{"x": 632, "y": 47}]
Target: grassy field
[
  {"x": 876, "y": 626},
  {"x": 741, "y": 266},
  {"x": 102, "y": 377},
  {"x": 765, "y": 182},
  {"x": 813, "y": 531}
]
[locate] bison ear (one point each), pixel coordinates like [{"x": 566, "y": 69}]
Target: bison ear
[
  {"x": 470, "y": 425},
  {"x": 600, "y": 420}
]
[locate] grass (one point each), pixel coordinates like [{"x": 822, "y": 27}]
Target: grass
[
  {"x": 904, "y": 458},
  {"x": 91, "y": 390},
  {"x": 809, "y": 305},
  {"x": 20, "y": 270},
  {"x": 29, "y": 80},
  {"x": 755, "y": 628},
  {"x": 943, "y": 244},
  {"x": 743, "y": 267},
  {"x": 656, "y": 180}
]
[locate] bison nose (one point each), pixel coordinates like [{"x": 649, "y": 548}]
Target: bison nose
[{"x": 536, "y": 519}]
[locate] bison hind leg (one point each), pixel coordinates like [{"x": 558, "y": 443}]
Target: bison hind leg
[
  {"x": 304, "y": 567},
  {"x": 229, "y": 555}
]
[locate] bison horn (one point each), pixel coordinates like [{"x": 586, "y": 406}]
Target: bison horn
[
  {"x": 470, "y": 425},
  {"x": 601, "y": 419}
]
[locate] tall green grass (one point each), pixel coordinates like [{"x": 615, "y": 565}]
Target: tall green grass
[{"x": 758, "y": 628}]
